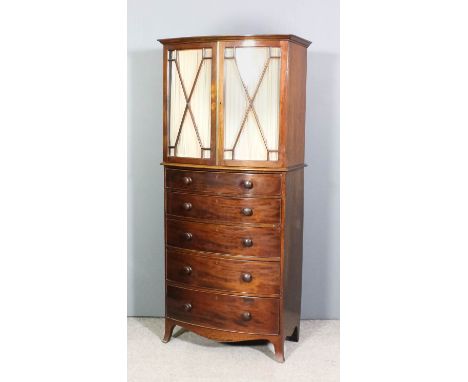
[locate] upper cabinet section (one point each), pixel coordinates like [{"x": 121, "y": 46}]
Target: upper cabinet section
[{"x": 234, "y": 100}]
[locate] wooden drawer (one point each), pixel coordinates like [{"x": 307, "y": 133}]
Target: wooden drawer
[
  {"x": 241, "y": 210},
  {"x": 222, "y": 311},
  {"x": 251, "y": 277},
  {"x": 224, "y": 182},
  {"x": 235, "y": 240}
]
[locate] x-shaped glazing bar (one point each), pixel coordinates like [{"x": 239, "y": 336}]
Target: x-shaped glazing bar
[
  {"x": 250, "y": 105},
  {"x": 187, "y": 103}
]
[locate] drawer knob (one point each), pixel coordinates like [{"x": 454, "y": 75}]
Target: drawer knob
[
  {"x": 247, "y": 277},
  {"x": 188, "y": 307},
  {"x": 187, "y": 270},
  {"x": 246, "y": 316},
  {"x": 247, "y": 184},
  {"x": 247, "y": 242},
  {"x": 187, "y": 180},
  {"x": 187, "y": 206},
  {"x": 247, "y": 211},
  {"x": 188, "y": 236}
]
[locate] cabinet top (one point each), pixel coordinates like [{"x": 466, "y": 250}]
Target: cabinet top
[{"x": 288, "y": 37}]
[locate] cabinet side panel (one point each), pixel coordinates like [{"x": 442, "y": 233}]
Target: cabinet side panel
[
  {"x": 296, "y": 103},
  {"x": 292, "y": 270}
]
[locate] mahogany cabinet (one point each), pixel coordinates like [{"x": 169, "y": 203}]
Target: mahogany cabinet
[{"x": 233, "y": 133}]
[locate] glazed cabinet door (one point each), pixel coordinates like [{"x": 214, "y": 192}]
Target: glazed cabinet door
[
  {"x": 250, "y": 103},
  {"x": 190, "y": 103}
]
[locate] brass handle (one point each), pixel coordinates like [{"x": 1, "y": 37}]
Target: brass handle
[
  {"x": 247, "y": 242},
  {"x": 246, "y": 316},
  {"x": 247, "y": 184},
  {"x": 247, "y": 277},
  {"x": 188, "y": 236},
  {"x": 188, "y": 307},
  {"x": 187, "y": 180},
  {"x": 187, "y": 269},
  {"x": 247, "y": 211},
  {"x": 187, "y": 206}
]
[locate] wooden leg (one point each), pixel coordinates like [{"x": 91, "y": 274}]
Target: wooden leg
[
  {"x": 295, "y": 335},
  {"x": 168, "y": 332},
  {"x": 279, "y": 348}
]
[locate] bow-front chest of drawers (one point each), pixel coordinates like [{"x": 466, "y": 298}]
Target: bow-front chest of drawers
[{"x": 234, "y": 111}]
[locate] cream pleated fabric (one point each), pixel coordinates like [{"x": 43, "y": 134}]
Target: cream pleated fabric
[
  {"x": 248, "y": 65},
  {"x": 189, "y": 143}
]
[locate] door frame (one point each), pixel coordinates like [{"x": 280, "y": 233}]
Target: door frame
[
  {"x": 283, "y": 94},
  {"x": 213, "y": 127}
]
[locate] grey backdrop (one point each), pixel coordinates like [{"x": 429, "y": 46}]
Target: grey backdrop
[{"x": 315, "y": 20}]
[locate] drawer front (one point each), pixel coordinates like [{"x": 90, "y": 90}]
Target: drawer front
[
  {"x": 235, "y": 240},
  {"x": 243, "y": 314},
  {"x": 224, "y": 182},
  {"x": 251, "y": 277},
  {"x": 241, "y": 210}
]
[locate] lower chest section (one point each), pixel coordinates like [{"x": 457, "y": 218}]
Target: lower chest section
[{"x": 223, "y": 235}]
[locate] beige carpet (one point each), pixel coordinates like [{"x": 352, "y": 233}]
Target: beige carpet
[{"x": 189, "y": 357}]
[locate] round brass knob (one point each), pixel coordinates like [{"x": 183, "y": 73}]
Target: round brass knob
[
  {"x": 187, "y": 206},
  {"x": 247, "y": 211},
  {"x": 246, "y": 316},
  {"x": 188, "y": 236},
  {"x": 247, "y": 242},
  {"x": 247, "y": 184},
  {"x": 247, "y": 277},
  {"x": 188, "y": 307},
  {"x": 187, "y": 180},
  {"x": 187, "y": 269}
]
